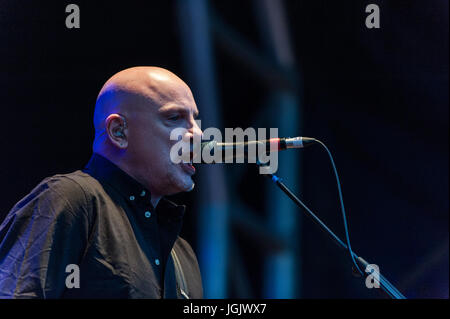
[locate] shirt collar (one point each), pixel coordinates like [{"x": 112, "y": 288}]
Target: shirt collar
[{"x": 106, "y": 171}]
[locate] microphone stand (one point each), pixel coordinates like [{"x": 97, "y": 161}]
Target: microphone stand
[{"x": 383, "y": 283}]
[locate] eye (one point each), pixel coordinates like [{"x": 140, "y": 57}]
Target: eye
[{"x": 175, "y": 117}]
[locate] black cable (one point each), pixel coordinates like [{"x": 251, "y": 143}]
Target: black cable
[
  {"x": 344, "y": 216},
  {"x": 385, "y": 285}
]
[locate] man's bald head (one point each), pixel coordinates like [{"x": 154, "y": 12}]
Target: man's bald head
[
  {"x": 135, "y": 112},
  {"x": 135, "y": 88}
]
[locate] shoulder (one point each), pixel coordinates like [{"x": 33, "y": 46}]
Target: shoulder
[
  {"x": 59, "y": 193},
  {"x": 69, "y": 187}
]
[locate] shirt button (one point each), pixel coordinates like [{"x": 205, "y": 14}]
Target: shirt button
[
  {"x": 142, "y": 193},
  {"x": 131, "y": 197},
  {"x": 157, "y": 262},
  {"x": 148, "y": 214}
]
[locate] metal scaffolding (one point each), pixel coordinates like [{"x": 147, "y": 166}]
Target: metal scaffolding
[{"x": 202, "y": 30}]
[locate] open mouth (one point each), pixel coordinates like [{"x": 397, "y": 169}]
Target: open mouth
[{"x": 188, "y": 167}]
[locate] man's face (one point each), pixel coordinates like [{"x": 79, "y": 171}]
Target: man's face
[{"x": 149, "y": 140}]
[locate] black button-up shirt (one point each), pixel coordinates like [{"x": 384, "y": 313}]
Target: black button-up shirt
[{"x": 102, "y": 221}]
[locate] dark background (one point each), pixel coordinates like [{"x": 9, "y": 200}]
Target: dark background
[{"x": 377, "y": 98}]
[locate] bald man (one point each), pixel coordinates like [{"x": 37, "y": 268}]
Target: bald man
[{"x": 108, "y": 231}]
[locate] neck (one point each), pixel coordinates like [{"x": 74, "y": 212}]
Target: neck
[{"x": 130, "y": 170}]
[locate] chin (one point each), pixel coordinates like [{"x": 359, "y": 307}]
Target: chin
[
  {"x": 188, "y": 186},
  {"x": 182, "y": 184},
  {"x": 191, "y": 188}
]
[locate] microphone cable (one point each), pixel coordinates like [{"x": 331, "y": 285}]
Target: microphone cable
[{"x": 341, "y": 200}]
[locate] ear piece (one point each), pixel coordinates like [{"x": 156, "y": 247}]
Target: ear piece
[
  {"x": 118, "y": 134},
  {"x": 119, "y": 130}
]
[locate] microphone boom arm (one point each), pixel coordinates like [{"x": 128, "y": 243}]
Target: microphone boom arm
[{"x": 383, "y": 283}]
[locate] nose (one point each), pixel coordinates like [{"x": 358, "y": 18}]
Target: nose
[
  {"x": 195, "y": 136},
  {"x": 198, "y": 131},
  {"x": 195, "y": 131}
]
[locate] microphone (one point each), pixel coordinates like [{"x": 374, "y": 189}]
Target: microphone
[{"x": 241, "y": 149}]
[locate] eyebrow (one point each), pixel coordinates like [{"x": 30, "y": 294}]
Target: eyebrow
[{"x": 175, "y": 108}]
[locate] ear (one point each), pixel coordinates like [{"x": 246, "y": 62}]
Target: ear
[{"x": 117, "y": 130}]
